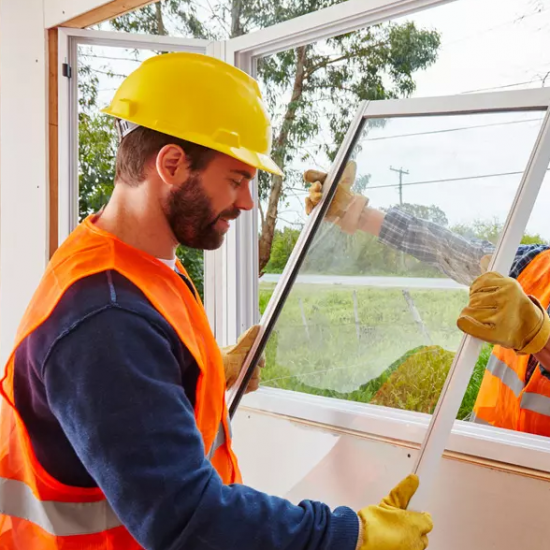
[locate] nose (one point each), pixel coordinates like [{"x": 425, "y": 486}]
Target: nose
[{"x": 245, "y": 200}]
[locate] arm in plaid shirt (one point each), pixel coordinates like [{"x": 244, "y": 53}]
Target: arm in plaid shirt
[{"x": 456, "y": 256}]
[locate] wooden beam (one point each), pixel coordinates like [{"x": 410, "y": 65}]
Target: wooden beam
[
  {"x": 53, "y": 167},
  {"x": 108, "y": 10}
]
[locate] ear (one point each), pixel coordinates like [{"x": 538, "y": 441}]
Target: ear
[{"x": 172, "y": 164}]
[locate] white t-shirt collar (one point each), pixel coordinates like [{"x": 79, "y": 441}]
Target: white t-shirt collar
[{"x": 170, "y": 263}]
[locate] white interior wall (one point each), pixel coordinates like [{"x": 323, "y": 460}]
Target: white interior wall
[{"x": 23, "y": 160}]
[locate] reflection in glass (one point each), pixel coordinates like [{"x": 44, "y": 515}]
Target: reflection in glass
[{"x": 372, "y": 314}]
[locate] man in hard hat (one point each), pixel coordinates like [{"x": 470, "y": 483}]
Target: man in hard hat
[
  {"x": 114, "y": 431},
  {"x": 510, "y": 312}
]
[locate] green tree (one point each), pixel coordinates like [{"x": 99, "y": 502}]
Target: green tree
[
  {"x": 490, "y": 230},
  {"x": 283, "y": 244},
  {"x": 96, "y": 147},
  {"x": 97, "y": 136}
]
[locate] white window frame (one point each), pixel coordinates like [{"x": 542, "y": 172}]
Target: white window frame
[{"x": 466, "y": 438}]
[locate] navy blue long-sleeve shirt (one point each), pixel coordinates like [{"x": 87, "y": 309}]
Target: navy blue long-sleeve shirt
[{"x": 106, "y": 390}]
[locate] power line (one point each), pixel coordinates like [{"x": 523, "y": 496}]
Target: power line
[
  {"x": 464, "y": 178},
  {"x": 111, "y": 57},
  {"x": 109, "y": 73},
  {"x": 503, "y": 86},
  {"x": 495, "y": 27},
  {"x": 457, "y": 129}
]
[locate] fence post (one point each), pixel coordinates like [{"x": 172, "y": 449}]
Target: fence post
[
  {"x": 356, "y": 311},
  {"x": 304, "y": 320},
  {"x": 416, "y": 317}
]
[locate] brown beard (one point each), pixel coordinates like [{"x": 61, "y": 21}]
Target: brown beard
[{"x": 191, "y": 218}]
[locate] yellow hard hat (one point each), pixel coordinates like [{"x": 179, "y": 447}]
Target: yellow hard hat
[{"x": 199, "y": 99}]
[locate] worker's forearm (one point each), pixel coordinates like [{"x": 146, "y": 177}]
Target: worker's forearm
[
  {"x": 371, "y": 221},
  {"x": 543, "y": 356}
]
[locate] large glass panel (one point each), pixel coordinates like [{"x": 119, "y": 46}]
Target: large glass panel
[{"x": 372, "y": 314}]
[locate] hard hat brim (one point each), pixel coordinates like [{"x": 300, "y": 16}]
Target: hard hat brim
[
  {"x": 252, "y": 158},
  {"x": 257, "y": 160}
]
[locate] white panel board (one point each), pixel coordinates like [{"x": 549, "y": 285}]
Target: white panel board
[
  {"x": 23, "y": 160},
  {"x": 473, "y": 506}
]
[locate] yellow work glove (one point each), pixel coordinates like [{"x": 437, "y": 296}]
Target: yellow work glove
[
  {"x": 234, "y": 356},
  {"x": 346, "y": 207},
  {"x": 390, "y": 526},
  {"x": 499, "y": 312}
]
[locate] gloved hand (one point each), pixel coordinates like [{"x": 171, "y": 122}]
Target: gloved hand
[
  {"x": 346, "y": 207},
  {"x": 389, "y": 526},
  {"x": 234, "y": 356},
  {"x": 499, "y": 312}
]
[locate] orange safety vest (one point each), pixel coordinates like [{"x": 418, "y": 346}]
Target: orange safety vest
[
  {"x": 505, "y": 400},
  {"x": 37, "y": 511}
]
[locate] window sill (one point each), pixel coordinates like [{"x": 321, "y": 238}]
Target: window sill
[{"x": 504, "y": 446}]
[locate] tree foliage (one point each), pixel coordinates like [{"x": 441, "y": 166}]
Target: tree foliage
[
  {"x": 97, "y": 136},
  {"x": 430, "y": 213},
  {"x": 96, "y": 147}
]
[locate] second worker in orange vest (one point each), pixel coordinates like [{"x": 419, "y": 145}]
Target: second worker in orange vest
[{"x": 114, "y": 432}]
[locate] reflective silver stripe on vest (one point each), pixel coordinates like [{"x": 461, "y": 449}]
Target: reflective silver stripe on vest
[
  {"x": 61, "y": 519},
  {"x": 476, "y": 420},
  {"x": 219, "y": 440},
  {"x": 505, "y": 374},
  {"x": 536, "y": 402}
]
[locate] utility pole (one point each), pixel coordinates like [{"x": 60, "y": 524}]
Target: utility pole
[{"x": 400, "y": 171}]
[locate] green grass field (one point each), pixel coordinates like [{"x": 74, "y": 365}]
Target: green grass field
[{"x": 372, "y": 353}]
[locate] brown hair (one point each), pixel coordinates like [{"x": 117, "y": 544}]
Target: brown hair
[{"x": 137, "y": 148}]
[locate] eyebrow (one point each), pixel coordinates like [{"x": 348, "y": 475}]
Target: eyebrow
[{"x": 243, "y": 173}]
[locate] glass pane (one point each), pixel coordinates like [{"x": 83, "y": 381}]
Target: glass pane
[
  {"x": 372, "y": 314},
  {"x": 101, "y": 70}
]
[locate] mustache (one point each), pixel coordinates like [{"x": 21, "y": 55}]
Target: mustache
[{"x": 231, "y": 214}]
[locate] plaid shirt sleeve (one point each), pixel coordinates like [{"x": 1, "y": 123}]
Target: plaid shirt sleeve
[{"x": 456, "y": 256}]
